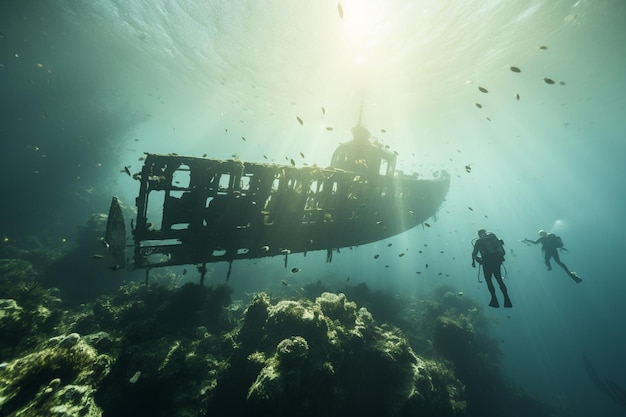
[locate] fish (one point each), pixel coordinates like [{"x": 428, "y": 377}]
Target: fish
[
  {"x": 265, "y": 248},
  {"x": 548, "y": 80},
  {"x": 299, "y": 120},
  {"x": 411, "y": 212},
  {"x": 97, "y": 256},
  {"x": 480, "y": 106},
  {"x": 323, "y": 111},
  {"x": 383, "y": 131},
  {"x": 294, "y": 270},
  {"x": 301, "y": 154},
  {"x": 426, "y": 266},
  {"x": 115, "y": 267},
  {"x": 379, "y": 222},
  {"x": 265, "y": 156},
  {"x": 340, "y": 10},
  {"x": 293, "y": 163},
  {"x": 127, "y": 171},
  {"x": 542, "y": 47},
  {"x": 329, "y": 128},
  {"x": 468, "y": 168},
  {"x": 401, "y": 254},
  {"x": 284, "y": 283},
  {"x": 426, "y": 224},
  {"x": 470, "y": 209},
  {"x": 244, "y": 139},
  {"x": 517, "y": 96},
  {"x": 347, "y": 279},
  {"x": 515, "y": 69},
  {"x": 483, "y": 90},
  {"x": 105, "y": 244},
  {"x": 562, "y": 82},
  {"x": 376, "y": 256},
  {"x": 389, "y": 245}
]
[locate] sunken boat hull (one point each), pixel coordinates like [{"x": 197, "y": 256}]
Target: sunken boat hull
[{"x": 197, "y": 210}]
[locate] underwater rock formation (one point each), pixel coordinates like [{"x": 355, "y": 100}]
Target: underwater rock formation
[
  {"x": 329, "y": 358},
  {"x": 58, "y": 378},
  {"x": 191, "y": 352}
]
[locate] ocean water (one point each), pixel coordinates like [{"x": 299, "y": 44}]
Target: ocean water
[{"x": 88, "y": 86}]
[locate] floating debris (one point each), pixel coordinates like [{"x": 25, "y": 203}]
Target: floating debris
[
  {"x": 548, "y": 80},
  {"x": 480, "y": 106},
  {"x": 299, "y": 120},
  {"x": 515, "y": 69},
  {"x": 340, "y": 10},
  {"x": 483, "y": 90}
]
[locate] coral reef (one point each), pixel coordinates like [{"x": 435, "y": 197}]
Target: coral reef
[
  {"x": 58, "y": 378},
  {"x": 329, "y": 358},
  {"x": 192, "y": 351}
]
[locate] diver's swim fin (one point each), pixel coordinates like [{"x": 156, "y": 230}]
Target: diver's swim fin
[
  {"x": 507, "y": 303},
  {"x": 494, "y": 302},
  {"x": 575, "y": 277}
]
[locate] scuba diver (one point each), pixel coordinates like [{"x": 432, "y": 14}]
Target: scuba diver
[
  {"x": 492, "y": 255},
  {"x": 550, "y": 243}
]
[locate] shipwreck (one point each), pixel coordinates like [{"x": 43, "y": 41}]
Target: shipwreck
[{"x": 194, "y": 210}]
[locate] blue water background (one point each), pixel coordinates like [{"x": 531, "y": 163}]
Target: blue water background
[{"x": 88, "y": 86}]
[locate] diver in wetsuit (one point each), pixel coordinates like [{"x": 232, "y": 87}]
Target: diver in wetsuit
[
  {"x": 492, "y": 256},
  {"x": 549, "y": 247}
]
